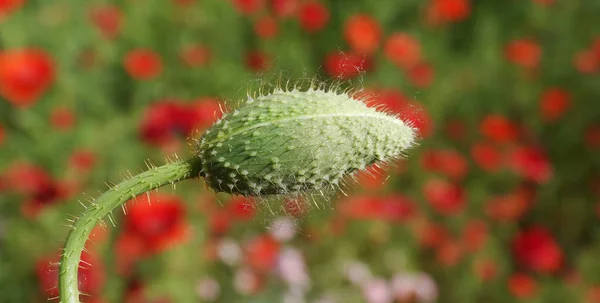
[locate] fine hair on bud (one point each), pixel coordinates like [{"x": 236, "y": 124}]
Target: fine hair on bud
[{"x": 292, "y": 140}]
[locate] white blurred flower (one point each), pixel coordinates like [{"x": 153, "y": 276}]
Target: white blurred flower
[
  {"x": 357, "y": 272},
  {"x": 293, "y": 297},
  {"x": 245, "y": 281},
  {"x": 419, "y": 285},
  {"x": 229, "y": 252},
  {"x": 208, "y": 289},
  {"x": 377, "y": 290},
  {"x": 283, "y": 229},
  {"x": 292, "y": 269}
]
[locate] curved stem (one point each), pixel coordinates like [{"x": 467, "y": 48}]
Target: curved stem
[{"x": 103, "y": 205}]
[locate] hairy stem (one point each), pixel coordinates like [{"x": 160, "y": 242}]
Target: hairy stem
[{"x": 102, "y": 206}]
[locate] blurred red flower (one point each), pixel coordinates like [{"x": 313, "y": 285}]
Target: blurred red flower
[
  {"x": 284, "y": 8},
  {"x": 266, "y": 27},
  {"x": 62, "y": 118},
  {"x": 592, "y": 295},
  {"x": 82, "y": 160},
  {"x": 417, "y": 116},
  {"x": 36, "y": 185},
  {"x": 313, "y": 16},
  {"x": 522, "y": 286},
  {"x": 485, "y": 269},
  {"x": 195, "y": 55},
  {"x": 219, "y": 222},
  {"x": 449, "y": 253},
  {"x": 421, "y": 75},
  {"x": 444, "y": 11},
  {"x": 446, "y": 161},
  {"x": 143, "y": 64},
  {"x": 107, "y": 19},
  {"x": 444, "y": 197},
  {"x": 241, "y": 208},
  {"x": 532, "y": 163},
  {"x": 9, "y": 6},
  {"x": 373, "y": 177},
  {"x": 248, "y": 7},
  {"x": 592, "y": 136},
  {"x": 403, "y": 50},
  {"x": 535, "y": 249},
  {"x": 362, "y": 33},
  {"x": 346, "y": 65},
  {"x": 296, "y": 207},
  {"x": 499, "y": 128},
  {"x": 25, "y": 74},
  {"x": 474, "y": 235},
  {"x": 165, "y": 120},
  {"x": 261, "y": 253},
  {"x": 487, "y": 156},
  {"x": 586, "y": 62},
  {"x": 258, "y": 61},
  {"x": 393, "y": 208},
  {"x": 157, "y": 221},
  {"x": 524, "y": 52},
  {"x": 553, "y": 103},
  {"x": 509, "y": 207},
  {"x": 430, "y": 234},
  {"x": 91, "y": 276}
]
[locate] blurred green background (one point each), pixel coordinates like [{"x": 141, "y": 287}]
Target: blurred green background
[{"x": 499, "y": 202}]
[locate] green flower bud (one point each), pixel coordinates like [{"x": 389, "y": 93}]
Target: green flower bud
[{"x": 297, "y": 141}]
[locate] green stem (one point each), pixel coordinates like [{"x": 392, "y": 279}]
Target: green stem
[{"x": 102, "y": 206}]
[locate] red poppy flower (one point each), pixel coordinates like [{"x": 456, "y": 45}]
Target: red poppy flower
[
  {"x": 535, "y": 248},
  {"x": 592, "y": 295},
  {"x": 36, "y": 185},
  {"x": 62, "y": 118},
  {"x": 195, "y": 55},
  {"x": 485, "y": 269},
  {"x": 284, "y": 8},
  {"x": 261, "y": 253},
  {"x": 296, "y": 207},
  {"x": 554, "y": 102},
  {"x": 374, "y": 177},
  {"x": 592, "y": 136},
  {"x": 143, "y": 64},
  {"x": 444, "y": 197},
  {"x": 509, "y": 207},
  {"x": 9, "y": 6},
  {"x": 241, "y": 208},
  {"x": 107, "y": 19},
  {"x": 346, "y": 65},
  {"x": 531, "y": 163},
  {"x": 258, "y": 61},
  {"x": 164, "y": 121},
  {"x": 91, "y": 275},
  {"x": 416, "y": 116},
  {"x": 390, "y": 99},
  {"x": 248, "y": 7},
  {"x": 158, "y": 220},
  {"x": 219, "y": 222},
  {"x": 394, "y": 208},
  {"x": 313, "y": 16},
  {"x": 448, "y": 162},
  {"x": 421, "y": 75},
  {"x": 487, "y": 156},
  {"x": 455, "y": 129},
  {"x": 82, "y": 160},
  {"x": 524, "y": 52},
  {"x": 444, "y": 11},
  {"x": 431, "y": 235},
  {"x": 474, "y": 235},
  {"x": 498, "y": 128},
  {"x": 362, "y": 33},
  {"x": 586, "y": 62},
  {"x": 403, "y": 50},
  {"x": 266, "y": 27},
  {"x": 522, "y": 286},
  {"x": 449, "y": 254},
  {"x": 25, "y": 74}
]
